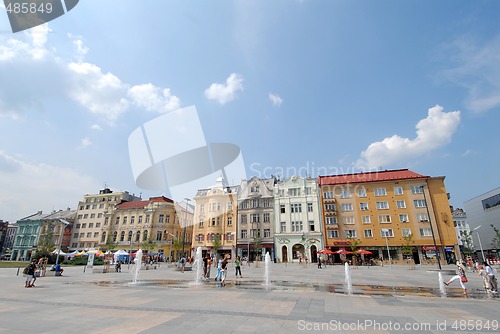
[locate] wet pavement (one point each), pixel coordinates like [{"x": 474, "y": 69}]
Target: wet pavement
[{"x": 299, "y": 299}]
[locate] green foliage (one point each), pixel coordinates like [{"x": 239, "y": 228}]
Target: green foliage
[
  {"x": 216, "y": 243},
  {"x": 407, "y": 248},
  {"x": 148, "y": 245},
  {"x": 466, "y": 237},
  {"x": 110, "y": 245},
  {"x": 495, "y": 242}
]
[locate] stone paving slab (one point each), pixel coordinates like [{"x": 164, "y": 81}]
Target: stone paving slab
[{"x": 299, "y": 300}]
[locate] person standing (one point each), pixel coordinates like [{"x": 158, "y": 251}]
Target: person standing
[
  {"x": 237, "y": 265},
  {"x": 219, "y": 272},
  {"x": 223, "y": 269},
  {"x": 461, "y": 277},
  {"x": 30, "y": 274},
  {"x": 490, "y": 277},
  {"x": 183, "y": 264}
]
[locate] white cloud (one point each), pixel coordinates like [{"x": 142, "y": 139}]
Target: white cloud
[
  {"x": 153, "y": 98},
  {"x": 276, "y": 100},
  {"x": 476, "y": 67},
  {"x": 224, "y": 93},
  {"x": 85, "y": 142},
  {"x": 434, "y": 131},
  {"x": 44, "y": 187},
  {"x": 96, "y": 127}
]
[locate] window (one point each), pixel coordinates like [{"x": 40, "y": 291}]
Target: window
[
  {"x": 379, "y": 192},
  {"x": 346, "y": 206},
  {"x": 311, "y": 226},
  {"x": 345, "y": 194},
  {"x": 331, "y": 220},
  {"x": 368, "y": 233},
  {"x": 308, "y": 190},
  {"x": 75, "y": 235},
  {"x": 77, "y": 226},
  {"x": 417, "y": 190},
  {"x": 491, "y": 202},
  {"x": 405, "y": 232},
  {"x": 350, "y": 233},
  {"x": 423, "y": 217},
  {"x": 282, "y": 208},
  {"x": 294, "y": 192},
  {"x": 147, "y": 219},
  {"x": 158, "y": 235},
  {"x": 199, "y": 237},
  {"x": 403, "y": 218},
  {"x": 330, "y": 207},
  {"x": 129, "y": 237},
  {"x": 398, "y": 190},
  {"x": 96, "y": 234},
  {"x": 145, "y": 237},
  {"x": 328, "y": 195},
  {"x": 363, "y": 206},
  {"x": 267, "y": 233},
  {"x": 297, "y": 207},
  {"x": 229, "y": 206},
  {"x": 384, "y": 219},
  {"x": 387, "y": 232},
  {"x": 140, "y": 220},
  {"x": 382, "y": 205},
  {"x": 333, "y": 234},
  {"x": 255, "y": 203},
  {"x": 92, "y": 215},
  {"x": 244, "y": 234},
  {"x": 401, "y": 204},
  {"x": 309, "y": 207},
  {"x": 426, "y": 232},
  {"x": 103, "y": 237},
  {"x": 244, "y": 205},
  {"x": 229, "y": 221},
  {"x": 365, "y": 220},
  {"x": 243, "y": 219},
  {"x": 297, "y": 226},
  {"x": 254, "y": 189},
  {"x": 132, "y": 220},
  {"x": 201, "y": 223},
  {"x": 167, "y": 219},
  {"x": 267, "y": 203},
  {"x": 348, "y": 220},
  {"x": 283, "y": 227},
  {"x": 419, "y": 203},
  {"x": 267, "y": 217},
  {"x": 362, "y": 192},
  {"x": 202, "y": 207},
  {"x": 255, "y": 217},
  {"x": 122, "y": 236}
]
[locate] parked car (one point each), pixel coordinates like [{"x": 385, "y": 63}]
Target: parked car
[{"x": 5, "y": 257}]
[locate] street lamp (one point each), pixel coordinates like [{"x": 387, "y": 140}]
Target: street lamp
[
  {"x": 386, "y": 235},
  {"x": 432, "y": 229},
  {"x": 185, "y": 223},
  {"x": 480, "y": 245},
  {"x": 66, "y": 223},
  {"x": 171, "y": 247},
  {"x": 130, "y": 252}
]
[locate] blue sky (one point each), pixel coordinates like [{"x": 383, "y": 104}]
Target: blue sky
[{"x": 341, "y": 86}]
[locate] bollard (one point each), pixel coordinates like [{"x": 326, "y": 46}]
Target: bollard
[
  {"x": 18, "y": 271},
  {"x": 84, "y": 268}
]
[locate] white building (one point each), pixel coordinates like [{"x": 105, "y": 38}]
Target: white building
[
  {"x": 297, "y": 220},
  {"x": 462, "y": 227}
]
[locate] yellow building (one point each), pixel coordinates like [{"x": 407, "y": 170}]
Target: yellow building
[
  {"x": 215, "y": 217},
  {"x": 380, "y": 210},
  {"x": 152, "y": 225}
]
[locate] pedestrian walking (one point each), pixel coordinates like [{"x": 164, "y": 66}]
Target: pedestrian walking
[
  {"x": 30, "y": 274},
  {"x": 219, "y": 273},
  {"x": 461, "y": 277},
  {"x": 223, "y": 269},
  {"x": 237, "y": 264},
  {"x": 490, "y": 277}
]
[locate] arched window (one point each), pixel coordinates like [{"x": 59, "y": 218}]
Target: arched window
[
  {"x": 145, "y": 237},
  {"x": 138, "y": 236},
  {"x": 115, "y": 235},
  {"x": 103, "y": 237},
  {"x": 122, "y": 236},
  {"x": 129, "y": 236}
]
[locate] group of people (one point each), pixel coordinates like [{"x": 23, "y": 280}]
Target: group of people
[
  {"x": 222, "y": 268},
  {"x": 485, "y": 271},
  {"x": 38, "y": 265}
]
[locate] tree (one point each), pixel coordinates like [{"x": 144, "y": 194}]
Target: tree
[
  {"x": 257, "y": 243},
  {"x": 468, "y": 245},
  {"x": 148, "y": 244},
  {"x": 407, "y": 250},
  {"x": 354, "y": 244},
  {"x": 110, "y": 244},
  {"x": 495, "y": 242},
  {"x": 216, "y": 243},
  {"x": 176, "y": 246}
]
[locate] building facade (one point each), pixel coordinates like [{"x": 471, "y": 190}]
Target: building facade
[
  {"x": 297, "y": 220},
  {"x": 27, "y": 236},
  {"x": 215, "y": 219},
  {"x": 388, "y": 211},
  {"x": 255, "y": 222},
  {"x": 56, "y": 229},
  {"x": 152, "y": 225},
  {"x": 483, "y": 213},
  {"x": 11, "y": 237},
  {"x": 91, "y": 215},
  {"x": 462, "y": 229}
]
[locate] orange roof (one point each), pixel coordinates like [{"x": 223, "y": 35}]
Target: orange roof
[{"x": 387, "y": 175}]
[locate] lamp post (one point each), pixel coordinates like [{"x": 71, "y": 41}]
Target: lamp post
[
  {"x": 480, "y": 245},
  {"x": 171, "y": 247},
  {"x": 185, "y": 223},
  {"x": 66, "y": 223},
  {"x": 432, "y": 229},
  {"x": 386, "y": 235}
]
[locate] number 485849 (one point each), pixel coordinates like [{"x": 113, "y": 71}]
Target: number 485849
[{"x": 28, "y": 7}]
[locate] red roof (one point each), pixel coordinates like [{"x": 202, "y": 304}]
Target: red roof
[
  {"x": 387, "y": 175},
  {"x": 142, "y": 204}
]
